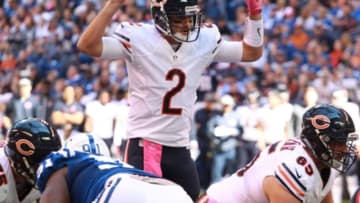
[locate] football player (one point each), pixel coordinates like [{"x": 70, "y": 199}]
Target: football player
[
  {"x": 20, "y": 153},
  {"x": 295, "y": 170},
  {"x": 165, "y": 60},
  {"x": 76, "y": 176}
]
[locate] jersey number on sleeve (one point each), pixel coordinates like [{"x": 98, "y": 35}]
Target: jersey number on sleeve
[{"x": 170, "y": 76}]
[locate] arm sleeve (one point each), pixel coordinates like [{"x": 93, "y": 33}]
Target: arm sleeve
[
  {"x": 229, "y": 51},
  {"x": 112, "y": 48}
]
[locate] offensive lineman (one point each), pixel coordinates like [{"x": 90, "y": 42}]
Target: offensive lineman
[
  {"x": 75, "y": 176},
  {"x": 16, "y": 185},
  {"x": 295, "y": 170}
]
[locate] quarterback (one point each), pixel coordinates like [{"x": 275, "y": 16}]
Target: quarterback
[{"x": 165, "y": 60}]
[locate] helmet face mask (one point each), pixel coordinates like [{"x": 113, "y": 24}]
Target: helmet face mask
[
  {"x": 178, "y": 19},
  {"x": 329, "y": 133},
  {"x": 29, "y": 142},
  {"x": 340, "y": 155}
]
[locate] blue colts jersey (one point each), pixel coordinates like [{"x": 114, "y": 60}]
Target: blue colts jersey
[{"x": 86, "y": 173}]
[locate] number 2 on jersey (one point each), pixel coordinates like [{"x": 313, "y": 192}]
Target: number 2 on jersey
[{"x": 167, "y": 108}]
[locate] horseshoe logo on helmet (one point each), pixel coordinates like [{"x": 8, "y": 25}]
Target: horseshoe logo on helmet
[
  {"x": 28, "y": 151},
  {"x": 325, "y": 122}
]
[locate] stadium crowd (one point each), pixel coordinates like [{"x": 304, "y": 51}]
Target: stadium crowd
[{"x": 311, "y": 55}]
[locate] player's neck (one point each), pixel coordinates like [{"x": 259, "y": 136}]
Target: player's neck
[{"x": 173, "y": 43}]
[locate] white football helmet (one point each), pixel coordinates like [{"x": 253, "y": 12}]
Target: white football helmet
[{"x": 88, "y": 143}]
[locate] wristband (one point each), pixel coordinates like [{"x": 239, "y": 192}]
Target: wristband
[{"x": 254, "y": 33}]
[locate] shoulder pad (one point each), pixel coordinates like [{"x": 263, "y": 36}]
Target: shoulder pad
[
  {"x": 212, "y": 29},
  {"x": 295, "y": 175},
  {"x": 127, "y": 27}
]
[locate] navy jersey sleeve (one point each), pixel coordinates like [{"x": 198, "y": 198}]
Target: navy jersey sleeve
[{"x": 53, "y": 162}]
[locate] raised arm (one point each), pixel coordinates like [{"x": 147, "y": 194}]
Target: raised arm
[
  {"x": 90, "y": 41},
  {"x": 251, "y": 48},
  {"x": 254, "y": 34}
]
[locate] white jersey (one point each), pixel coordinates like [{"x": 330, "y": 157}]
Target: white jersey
[
  {"x": 8, "y": 193},
  {"x": 163, "y": 82},
  {"x": 289, "y": 162}
]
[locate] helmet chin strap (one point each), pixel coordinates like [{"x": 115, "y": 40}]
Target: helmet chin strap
[{"x": 30, "y": 170}]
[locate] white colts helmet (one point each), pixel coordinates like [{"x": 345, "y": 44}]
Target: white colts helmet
[{"x": 88, "y": 143}]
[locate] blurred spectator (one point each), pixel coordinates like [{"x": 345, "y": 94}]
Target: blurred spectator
[
  {"x": 120, "y": 101},
  {"x": 46, "y": 100},
  {"x": 324, "y": 85},
  {"x": 118, "y": 74},
  {"x": 310, "y": 99},
  {"x": 5, "y": 122},
  {"x": 323, "y": 36},
  {"x": 202, "y": 116},
  {"x": 8, "y": 61},
  {"x": 249, "y": 117},
  {"x": 100, "y": 117},
  {"x": 354, "y": 59},
  {"x": 336, "y": 55},
  {"x": 68, "y": 114},
  {"x": 344, "y": 21},
  {"x": 287, "y": 108},
  {"x": 216, "y": 9},
  {"x": 299, "y": 37},
  {"x": 226, "y": 130},
  {"x": 274, "y": 121},
  {"x": 73, "y": 77},
  {"x": 23, "y": 104}
]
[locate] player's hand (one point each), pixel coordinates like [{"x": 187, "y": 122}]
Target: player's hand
[{"x": 254, "y": 6}]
